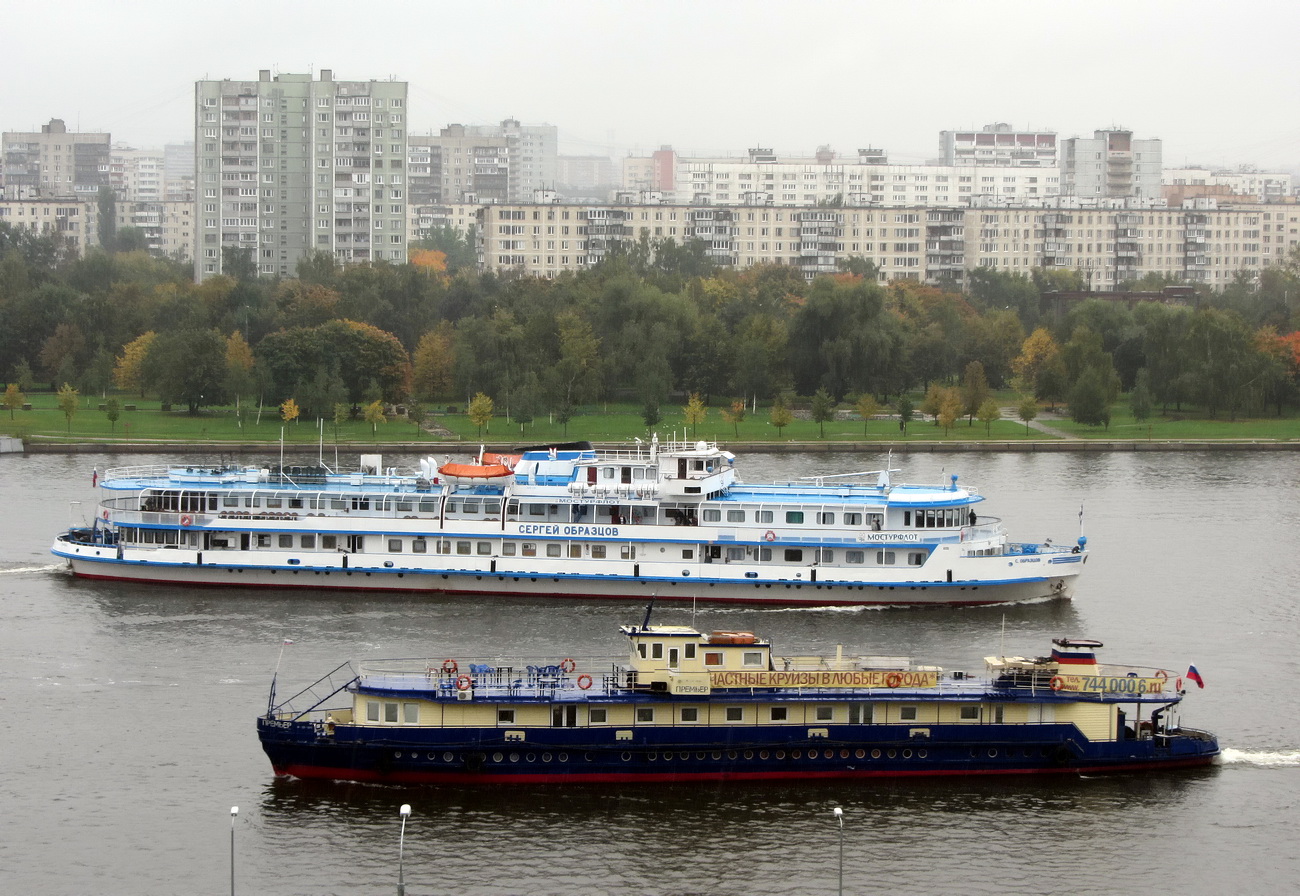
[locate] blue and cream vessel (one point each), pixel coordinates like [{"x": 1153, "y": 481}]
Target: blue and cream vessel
[
  {"x": 686, "y": 705},
  {"x": 672, "y": 521}
]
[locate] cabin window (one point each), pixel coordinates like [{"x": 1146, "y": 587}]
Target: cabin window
[
  {"x": 255, "y": 502},
  {"x": 338, "y": 504},
  {"x": 444, "y": 546},
  {"x": 690, "y": 714},
  {"x": 999, "y": 714},
  {"x": 735, "y": 554},
  {"x": 793, "y": 555},
  {"x": 598, "y": 551},
  {"x": 712, "y": 658},
  {"x": 308, "y": 541},
  {"x": 859, "y": 714},
  {"x": 855, "y": 556},
  {"x": 763, "y": 516},
  {"x": 779, "y": 713},
  {"x": 765, "y": 554},
  {"x": 394, "y": 545},
  {"x": 505, "y": 716},
  {"x": 907, "y": 713},
  {"x": 915, "y": 558},
  {"x": 537, "y": 510},
  {"x": 735, "y": 516},
  {"x": 372, "y": 711},
  {"x": 230, "y": 501},
  {"x": 826, "y": 519},
  {"x": 508, "y": 549},
  {"x": 453, "y": 507},
  {"x": 419, "y": 546},
  {"x": 853, "y": 519},
  {"x": 907, "y": 517},
  {"x": 360, "y": 503},
  {"x": 656, "y": 650},
  {"x": 329, "y": 542},
  {"x": 484, "y": 548},
  {"x": 286, "y": 541},
  {"x": 575, "y": 550},
  {"x": 645, "y": 713},
  {"x": 627, "y": 552},
  {"x": 735, "y": 713},
  {"x": 824, "y": 555},
  {"x": 274, "y": 502},
  {"x": 794, "y": 517},
  {"x": 411, "y": 713},
  {"x": 597, "y": 716},
  {"x": 390, "y": 712},
  {"x": 428, "y": 506},
  {"x": 607, "y": 473},
  {"x": 462, "y": 547},
  {"x": 264, "y": 541},
  {"x": 712, "y": 515},
  {"x": 491, "y": 506},
  {"x": 753, "y": 658},
  {"x": 885, "y": 558},
  {"x": 970, "y": 713},
  {"x": 403, "y": 506},
  {"x": 876, "y": 521},
  {"x": 553, "y": 550},
  {"x": 529, "y": 549},
  {"x": 690, "y": 651},
  {"x": 688, "y": 554},
  {"x": 470, "y": 507},
  {"x": 825, "y": 713}
]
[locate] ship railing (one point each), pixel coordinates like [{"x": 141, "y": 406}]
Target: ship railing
[
  {"x": 313, "y": 696},
  {"x": 1020, "y": 548},
  {"x": 495, "y": 674},
  {"x": 142, "y": 471}
]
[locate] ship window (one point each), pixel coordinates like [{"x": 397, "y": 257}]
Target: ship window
[
  {"x": 359, "y": 503},
  {"x": 230, "y": 501},
  {"x": 444, "y": 546},
  {"x": 484, "y": 548},
  {"x": 411, "y": 713},
  {"x": 529, "y": 549},
  {"x": 687, "y": 554},
  {"x": 657, "y": 650},
  {"x": 286, "y": 541},
  {"x": 338, "y": 504},
  {"x": 999, "y": 714},
  {"x": 308, "y": 541},
  {"x": 505, "y": 716},
  {"x": 970, "y": 713},
  {"x": 394, "y": 545},
  {"x": 690, "y": 714},
  {"x": 753, "y": 658},
  {"x": 508, "y": 549},
  {"x": 274, "y": 502},
  {"x": 735, "y": 553},
  {"x": 907, "y": 517},
  {"x": 462, "y": 547},
  {"x": 607, "y": 473},
  {"x": 264, "y": 541},
  {"x": 859, "y": 714},
  {"x": 470, "y": 507},
  {"x": 403, "y": 506},
  {"x": 597, "y": 716},
  {"x": 640, "y": 648},
  {"x": 428, "y": 506},
  {"x": 598, "y": 551},
  {"x": 735, "y": 516},
  {"x": 855, "y": 556},
  {"x": 885, "y": 558},
  {"x": 390, "y": 712},
  {"x": 763, "y": 516},
  {"x": 553, "y": 550},
  {"x": 420, "y": 546},
  {"x": 491, "y": 506},
  {"x": 778, "y": 713},
  {"x": 329, "y": 542},
  {"x": 915, "y": 558},
  {"x": 453, "y": 506},
  {"x": 826, "y": 519},
  {"x": 712, "y": 515},
  {"x": 735, "y": 713},
  {"x": 824, "y": 555},
  {"x": 575, "y": 550},
  {"x": 690, "y": 651},
  {"x": 256, "y": 502},
  {"x": 627, "y": 552},
  {"x": 537, "y": 510},
  {"x": 645, "y": 713},
  {"x": 794, "y": 517},
  {"x": 765, "y": 554},
  {"x": 793, "y": 555},
  {"x": 825, "y": 713},
  {"x": 907, "y": 713},
  {"x": 853, "y": 519},
  {"x": 877, "y": 520},
  {"x": 712, "y": 658},
  {"x": 372, "y": 711}
]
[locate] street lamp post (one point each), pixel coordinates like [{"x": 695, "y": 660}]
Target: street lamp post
[
  {"x": 839, "y": 816},
  {"x": 405, "y": 812},
  {"x": 234, "y": 812}
]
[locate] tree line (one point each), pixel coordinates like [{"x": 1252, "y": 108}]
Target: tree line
[{"x": 652, "y": 323}]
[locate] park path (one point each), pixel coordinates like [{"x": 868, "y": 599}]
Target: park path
[{"x": 1040, "y": 426}]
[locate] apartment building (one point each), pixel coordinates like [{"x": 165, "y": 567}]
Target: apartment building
[
  {"x": 1203, "y": 243},
  {"x": 55, "y": 163},
  {"x": 484, "y": 163},
  {"x": 999, "y": 145},
  {"x": 288, "y": 165},
  {"x": 1266, "y": 186},
  {"x": 137, "y": 175},
  {"x": 74, "y": 220},
  {"x": 1111, "y": 165}
]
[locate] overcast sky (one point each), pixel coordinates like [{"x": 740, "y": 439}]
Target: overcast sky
[{"x": 1216, "y": 81}]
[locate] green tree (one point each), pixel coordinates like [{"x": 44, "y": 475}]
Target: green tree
[
  {"x": 867, "y": 408},
  {"x": 67, "y": 399},
  {"x": 13, "y": 398},
  {"x": 781, "y": 415},
  {"x": 1089, "y": 401},
  {"x": 374, "y": 415},
  {"x": 695, "y": 411},
  {"x": 989, "y": 412},
  {"x": 1027, "y": 410},
  {"x": 949, "y": 411},
  {"x": 651, "y": 415},
  {"x": 342, "y": 413},
  {"x": 974, "y": 390},
  {"x": 563, "y": 414},
  {"x": 415, "y": 413},
  {"x": 735, "y": 415},
  {"x": 1140, "y": 400},
  {"x": 433, "y": 363},
  {"x": 187, "y": 366},
  {"x": 112, "y": 410},
  {"x": 823, "y": 409},
  {"x": 480, "y": 411},
  {"x": 905, "y": 413},
  {"x": 23, "y": 375}
]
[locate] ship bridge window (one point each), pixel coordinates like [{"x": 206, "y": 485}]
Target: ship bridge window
[
  {"x": 853, "y": 519},
  {"x": 690, "y": 714},
  {"x": 779, "y": 713},
  {"x": 735, "y": 516},
  {"x": 753, "y": 658},
  {"x": 712, "y": 515},
  {"x": 826, "y": 519},
  {"x": 645, "y": 713},
  {"x": 763, "y": 516},
  {"x": 794, "y": 517}
]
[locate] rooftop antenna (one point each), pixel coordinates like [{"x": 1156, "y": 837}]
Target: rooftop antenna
[
  {"x": 1002, "y": 645},
  {"x": 648, "y": 607}
]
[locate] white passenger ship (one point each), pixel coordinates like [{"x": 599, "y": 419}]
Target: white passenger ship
[{"x": 666, "y": 520}]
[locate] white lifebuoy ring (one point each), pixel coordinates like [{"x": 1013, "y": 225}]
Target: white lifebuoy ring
[
  {"x": 769, "y": 536},
  {"x": 187, "y": 520},
  {"x": 584, "y": 681}
]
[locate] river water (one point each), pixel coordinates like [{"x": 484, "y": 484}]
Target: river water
[{"x": 129, "y": 716}]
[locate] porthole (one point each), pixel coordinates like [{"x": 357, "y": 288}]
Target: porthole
[
  {"x": 700, "y": 756},
  {"x": 892, "y": 754},
  {"x": 796, "y": 754},
  {"x": 875, "y": 754},
  {"x": 860, "y": 753},
  {"x": 907, "y": 754},
  {"x": 716, "y": 754},
  {"x": 497, "y": 757},
  {"x": 433, "y": 755},
  {"x": 763, "y": 754},
  {"x": 653, "y": 757},
  {"x": 844, "y": 754},
  {"x": 993, "y": 752},
  {"x": 749, "y": 754},
  {"x": 397, "y": 754},
  {"x": 546, "y": 757},
  {"x": 564, "y": 757},
  {"x": 447, "y": 757},
  {"x": 731, "y": 754},
  {"x": 531, "y": 757},
  {"x": 626, "y": 757},
  {"x": 684, "y": 756},
  {"x": 921, "y": 754},
  {"x": 780, "y": 754}
]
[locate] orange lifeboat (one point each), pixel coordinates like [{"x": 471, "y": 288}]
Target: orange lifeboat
[
  {"x": 732, "y": 638},
  {"x": 506, "y": 460},
  {"x": 479, "y": 472}
]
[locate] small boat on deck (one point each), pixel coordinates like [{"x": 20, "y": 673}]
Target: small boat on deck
[{"x": 685, "y": 705}]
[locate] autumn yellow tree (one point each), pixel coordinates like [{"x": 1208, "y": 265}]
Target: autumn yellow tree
[
  {"x": 127, "y": 372},
  {"x": 430, "y": 260},
  {"x": 375, "y": 415},
  {"x": 695, "y": 411},
  {"x": 433, "y": 363},
  {"x": 735, "y": 415},
  {"x": 289, "y": 410},
  {"x": 13, "y": 398},
  {"x": 1037, "y": 353},
  {"x": 867, "y": 407},
  {"x": 480, "y": 410}
]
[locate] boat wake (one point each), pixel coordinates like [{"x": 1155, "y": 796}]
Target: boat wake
[
  {"x": 22, "y": 569},
  {"x": 1261, "y": 758}
]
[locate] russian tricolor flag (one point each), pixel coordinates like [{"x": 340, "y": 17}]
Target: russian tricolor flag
[{"x": 1193, "y": 675}]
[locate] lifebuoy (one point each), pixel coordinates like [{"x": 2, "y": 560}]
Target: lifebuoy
[
  {"x": 464, "y": 683},
  {"x": 1178, "y": 685},
  {"x": 769, "y": 536},
  {"x": 450, "y": 667},
  {"x": 105, "y": 513},
  {"x": 893, "y": 679},
  {"x": 1162, "y": 674},
  {"x": 1057, "y": 682},
  {"x": 186, "y": 519},
  {"x": 584, "y": 681},
  {"x": 567, "y": 665}
]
